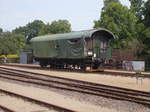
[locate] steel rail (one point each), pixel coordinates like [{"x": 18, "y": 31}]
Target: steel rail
[
  {"x": 87, "y": 92},
  {"x": 107, "y": 92},
  {"x": 51, "y": 106},
  {"x": 104, "y": 72},
  {"x": 6, "y": 109},
  {"x": 83, "y": 86},
  {"x": 79, "y": 81}
]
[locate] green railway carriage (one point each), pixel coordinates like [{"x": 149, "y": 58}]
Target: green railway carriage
[{"x": 82, "y": 48}]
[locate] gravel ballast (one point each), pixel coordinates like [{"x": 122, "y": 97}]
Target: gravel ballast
[
  {"x": 20, "y": 105},
  {"x": 76, "y": 101},
  {"x": 120, "y": 81}
]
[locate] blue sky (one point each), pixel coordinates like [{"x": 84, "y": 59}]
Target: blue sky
[{"x": 80, "y": 13}]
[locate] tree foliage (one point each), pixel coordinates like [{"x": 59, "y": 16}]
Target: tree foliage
[
  {"x": 31, "y": 29},
  {"x": 60, "y": 26},
  {"x": 120, "y": 20},
  {"x": 38, "y": 27},
  {"x": 146, "y": 13},
  {"x": 137, "y": 7},
  {"x": 11, "y": 43},
  {"x": 145, "y": 33},
  {"x": 131, "y": 26},
  {"x": 107, "y": 2}
]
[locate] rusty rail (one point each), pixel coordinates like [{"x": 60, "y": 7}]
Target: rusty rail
[
  {"x": 83, "y": 87},
  {"x": 51, "y": 106},
  {"x": 126, "y": 74},
  {"x": 6, "y": 109}
]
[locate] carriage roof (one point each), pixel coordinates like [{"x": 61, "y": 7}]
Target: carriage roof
[{"x": 71, "y": 35}]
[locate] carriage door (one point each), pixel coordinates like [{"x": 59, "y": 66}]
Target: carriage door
[
  {"x": 100, "y": 45},
  {"x": 103, "y": 47},
  {"x": 96, "y": 47}
]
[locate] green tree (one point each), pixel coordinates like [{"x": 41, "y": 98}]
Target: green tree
[
  {"x": 146, "y": 13},
  {"x": 107, "y": 2},
  {"x": 60, "y": 26},
  {"x": 37, "y": 28},
  {"x": 130, "y": 26},
  {"x": 145, "y": 33},
  {"x": 45, "y": 29},
  {"x": 145, "y": 38},
  {"x": 137, "y": 7},
  {"x": 11, "y": 43},
  {"x": 121, "y": 21},
  {"x": 31, "y": 29}
]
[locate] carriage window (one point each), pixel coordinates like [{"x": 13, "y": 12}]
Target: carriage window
[
  {"x": 74, "y": 40},
  {"x": 103, "y": 46}
]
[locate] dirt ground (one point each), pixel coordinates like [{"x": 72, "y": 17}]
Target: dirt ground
[{"x": 120, "y": 81}]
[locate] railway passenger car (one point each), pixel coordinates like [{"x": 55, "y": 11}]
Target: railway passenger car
[{"x": 82, "y": 48}]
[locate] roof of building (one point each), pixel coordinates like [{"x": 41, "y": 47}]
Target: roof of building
[{"x": 71, "y": 35}]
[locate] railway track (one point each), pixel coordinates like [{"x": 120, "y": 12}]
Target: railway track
[
  {"x": 106, "y": 72},
  {"x": 5, "y": 109},
  {"x": 77, "y": 86},
  {"x": 35, "y": 101}
]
